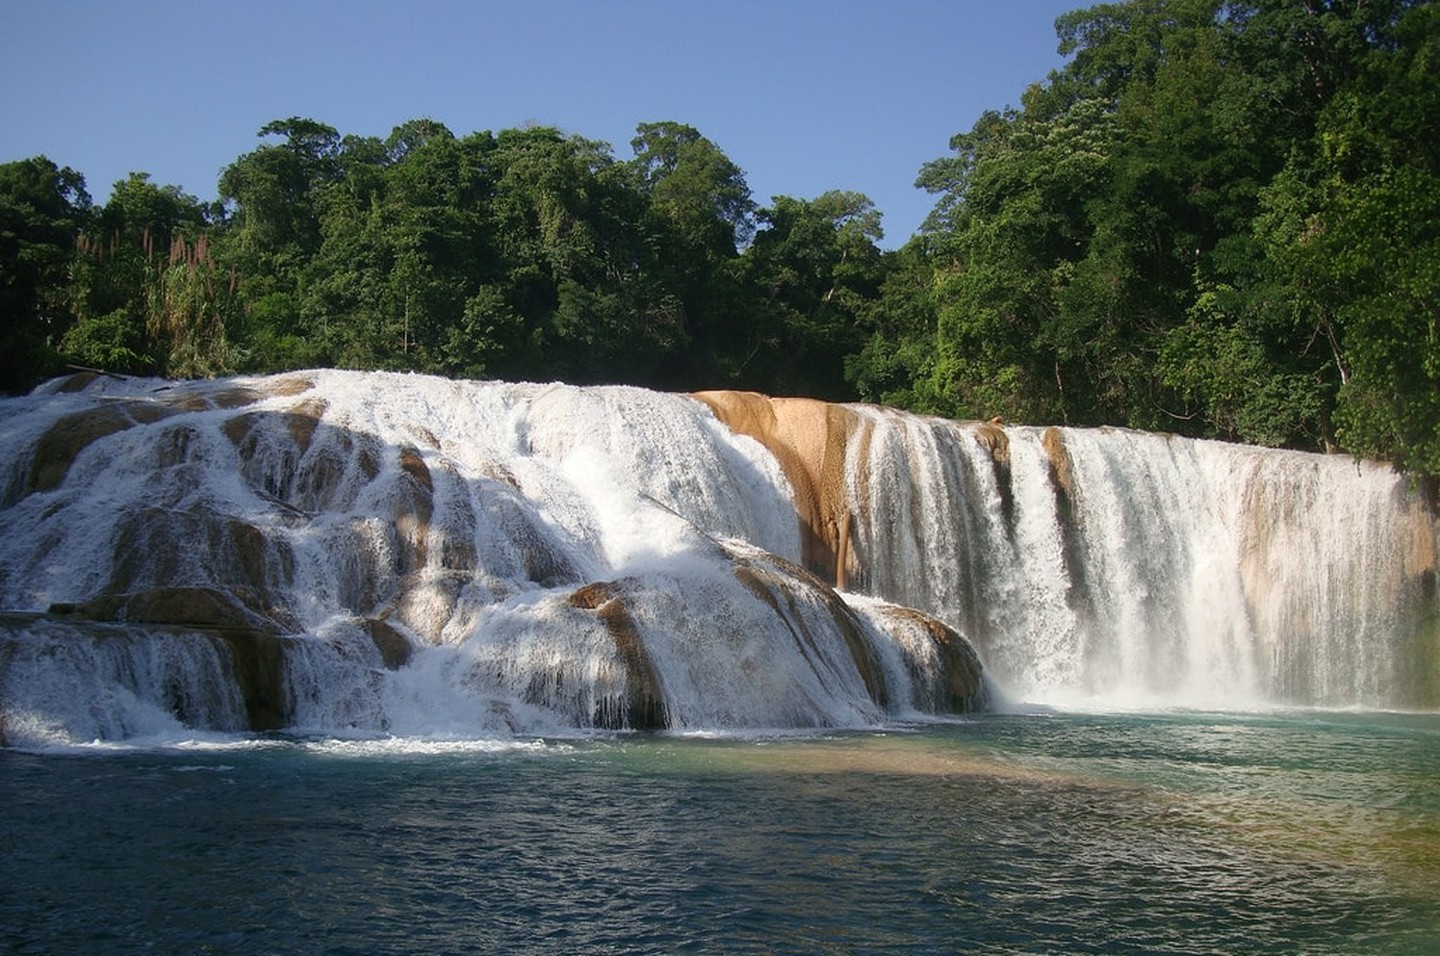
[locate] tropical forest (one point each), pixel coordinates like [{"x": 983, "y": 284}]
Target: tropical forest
[{"x": 1218, "y": 219}]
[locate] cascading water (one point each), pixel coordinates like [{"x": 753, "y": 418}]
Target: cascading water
[
  {"x": 372, "y": 553},
  {"x": 1143, "y": 569},
  {"x": 369, "y": 553},
  {"x": 416, "y": 585},
  {"x": 121, "y": 684}
]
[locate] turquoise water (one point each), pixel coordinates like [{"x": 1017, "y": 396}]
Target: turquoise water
[{"x": 1160, "y": 833}]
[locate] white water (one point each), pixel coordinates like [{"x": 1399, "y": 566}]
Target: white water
[
  {"x": 467, "y": 515},
  {"x": 1186, "y": 573},
  {"x": 122, "y": 686}
]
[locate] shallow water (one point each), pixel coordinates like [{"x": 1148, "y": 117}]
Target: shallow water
[{"x": 1048, "y": 832}]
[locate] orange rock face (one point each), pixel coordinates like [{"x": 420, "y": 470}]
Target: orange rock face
[{"x": 809, "y": 439}]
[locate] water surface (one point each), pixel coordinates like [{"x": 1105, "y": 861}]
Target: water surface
[{"x": 1175, "y": 833}]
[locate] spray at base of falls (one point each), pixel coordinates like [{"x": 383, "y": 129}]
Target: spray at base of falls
[{"x": 338, "y": 552}]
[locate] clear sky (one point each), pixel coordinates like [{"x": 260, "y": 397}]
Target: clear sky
[{"x": 803, "y": 95}]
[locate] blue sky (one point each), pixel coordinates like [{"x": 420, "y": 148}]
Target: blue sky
[{"x": 803, "y": 95}]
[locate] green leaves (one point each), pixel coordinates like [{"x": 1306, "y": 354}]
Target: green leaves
[
  {"x": 814, "y": 270},
  {"x": 1219, "y": 217},
  {"x": 1351, "y": 228},
  {"x": 693, "y": 186},
  {"x": 528, "y": 253},
  {"x": 42, "y": 209}
]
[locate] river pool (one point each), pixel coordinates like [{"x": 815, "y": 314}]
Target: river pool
[{"x": 1024, "y": 832}]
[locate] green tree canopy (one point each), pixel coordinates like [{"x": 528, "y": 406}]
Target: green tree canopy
[
  {"x": 814, "y": 268},
  {"x": 1218, "y": 217},
  {"x": 43, "y": 207},
  {"x": 1140, "y": 242}
]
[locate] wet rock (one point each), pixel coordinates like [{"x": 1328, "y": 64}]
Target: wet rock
[
  {"x": 783, "y": 585},
  {"x": 256, "y": 655},
  {"x": 183, "y": 606},
  {"x": 991, "y": 436},
  {"x": 1062, "y": 471},
  {"x": 809, "y": 439},
  {"x": 644, "y": 704},
  {"x": 68, "y": 437},
  {"x": 394, "y": 647},
  {"x": 961, "y": 685},
  {"x": 168, "y": 547}
]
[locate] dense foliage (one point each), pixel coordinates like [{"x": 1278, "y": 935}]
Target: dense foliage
[{"x": 1219, "y": 218}]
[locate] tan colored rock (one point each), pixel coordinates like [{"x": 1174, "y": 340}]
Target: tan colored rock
[
  {"x": 644, "y": 707},
  {"x": 183, "y": 606},
  {"x": 991, "y": 436},
  {"x": 78, "y": 382},
  {"x": 256, "y": 654},
  {"x": 288, "y": 386},
  {"x": 394, "y": 647},
  {"x": 155, "y": 546},
  {"x": 413, "y": 510},
  {"x": 962, "y": 687},
  {"x": 1062, "y": 471},
  {"x": 809, "y": 439}
]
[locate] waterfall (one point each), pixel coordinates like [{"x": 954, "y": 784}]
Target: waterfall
[
  {"x": 1142, "y": 569},
  {"x": 402, "y": 554},
  {"x": 112, "y": 683},
  {"x": 371, "y": 553}
]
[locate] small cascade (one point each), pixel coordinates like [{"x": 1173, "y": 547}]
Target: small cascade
[
  {"x": 1144, "y": 570},
  {"x": 61, "y": 682},
  {"x": 397, "y": 554},
  {"x": 961, "y": 522}
]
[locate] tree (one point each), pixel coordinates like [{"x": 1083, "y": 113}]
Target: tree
[
  {"x": 697, "y": 213},
  {"x": 402, "y": 247},
  {"x": 896, "y": 363},
  {"x": 814, "y": 267},
  {"x": 1142, "y": 242},
  {"x": 119, "y": 263},
  {"x": 552, "y": 219},
  {"x": 273, "y": 198},
  {"x": 1011, "y": 237},
  {"x": 42, "y": 210},
  {"x": 692, "y": 183},
  {"x": 1353, "y": 232},
  {"x": 189, "y": 298},
  {"x": 274, "y": 191}
]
